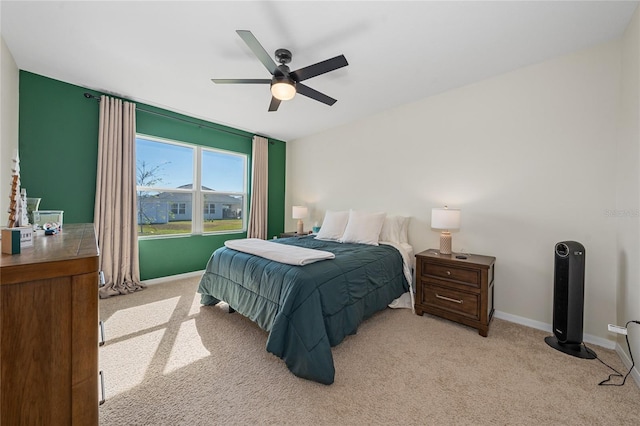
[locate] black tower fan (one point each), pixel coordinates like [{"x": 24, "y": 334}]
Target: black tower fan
[{"x": 568, "y": 300}]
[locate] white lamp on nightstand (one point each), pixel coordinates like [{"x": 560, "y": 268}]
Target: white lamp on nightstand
[
  {"x": 445, "y": 219},
  {"x": 300, "y": 212}
]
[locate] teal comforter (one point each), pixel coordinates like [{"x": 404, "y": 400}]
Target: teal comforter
[{"x": 306, "y": 309}]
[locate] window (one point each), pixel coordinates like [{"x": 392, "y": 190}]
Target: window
[
  {"x": 179, "y": 208},
  {"x": 189, "y": 189}
]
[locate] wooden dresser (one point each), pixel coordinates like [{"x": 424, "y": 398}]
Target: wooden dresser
[
  {"x": 49, "y": 330},
  {"x": 460, "y": 290}
]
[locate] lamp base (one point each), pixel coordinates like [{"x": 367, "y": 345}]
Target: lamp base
[
  {"x": 300, "y": 227},
  {"x": 445, "y": 242}
]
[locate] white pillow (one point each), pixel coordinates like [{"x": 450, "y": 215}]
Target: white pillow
[
  {"x": 363, "y": 228},
  {"x": 394, "y": 229},
  {"x": 404, "y": 235},
  {"x": 333, "y": 226}
]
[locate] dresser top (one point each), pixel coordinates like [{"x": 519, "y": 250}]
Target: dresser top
[
  {"x": 74, "y": 247},
  {"x": 475, "y": 259}
]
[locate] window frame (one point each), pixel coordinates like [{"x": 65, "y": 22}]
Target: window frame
[{"x": 196, "y": 191}]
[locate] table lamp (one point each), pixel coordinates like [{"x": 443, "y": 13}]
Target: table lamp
[
  {"x": 299, "y": 212},
  {"x": 445, "y": 219}
]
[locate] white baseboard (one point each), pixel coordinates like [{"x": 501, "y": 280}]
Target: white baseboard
[
  {"x": 588, "y": 338},
  {"x": 161, "y": 280}
]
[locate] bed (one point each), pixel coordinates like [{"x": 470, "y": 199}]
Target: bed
[{"x": 308, "y": 309}]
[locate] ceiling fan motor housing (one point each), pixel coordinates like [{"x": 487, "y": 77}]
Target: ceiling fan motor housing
[
  {"x": 283, "y": 56},
  {"x": 283, "y": 79},
  {"x": 282, "y": 70}
]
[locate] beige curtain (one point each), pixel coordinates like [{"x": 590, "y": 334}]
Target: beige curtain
[
  {"x": 115, "y": 205},
  {"x": 259, "y": 182}
]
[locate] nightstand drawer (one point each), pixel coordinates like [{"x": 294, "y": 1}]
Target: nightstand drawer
[
  {"x": 451, "y": 300},
  {"x": 467, "y": 276}
]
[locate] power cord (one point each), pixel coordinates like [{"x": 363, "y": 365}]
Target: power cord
[{"x": 616, "y": 373}]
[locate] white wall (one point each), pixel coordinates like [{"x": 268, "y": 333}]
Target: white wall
[
  {"x": 528, "y": 156},
  {"x": 628, "y": 188},
  {"x": 8, "y": 125}
]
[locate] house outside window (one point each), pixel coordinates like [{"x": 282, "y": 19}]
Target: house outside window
[{"x": 188, "y": 189}]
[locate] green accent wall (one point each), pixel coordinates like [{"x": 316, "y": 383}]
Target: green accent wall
[
  {"x": 276, "y": 177},
  {"x": 58, "y": 145}
]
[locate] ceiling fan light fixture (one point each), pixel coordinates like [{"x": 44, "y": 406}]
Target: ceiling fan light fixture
[
  {"x": 283, "y": 88},
  {"x": 284, "y": 82}
]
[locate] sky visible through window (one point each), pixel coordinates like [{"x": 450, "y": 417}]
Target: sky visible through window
[{"x": 220, "y": 171}]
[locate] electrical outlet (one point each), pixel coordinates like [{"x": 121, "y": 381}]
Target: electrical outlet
[{"x": 617, "y": 329}]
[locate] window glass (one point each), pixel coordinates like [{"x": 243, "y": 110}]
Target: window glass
[
  {"x": 163, "y": 165},
  {"x": 225, "y": 212},
  {"x": 222, "y": 171},
  {"x": 176, "y": 198},
  {"x": 159, "y": 214}
]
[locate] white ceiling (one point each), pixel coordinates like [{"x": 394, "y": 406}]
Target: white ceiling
[{"x": 165, "y": 53}]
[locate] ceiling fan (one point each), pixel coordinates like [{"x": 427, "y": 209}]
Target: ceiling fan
[{"x": 285, "y": 83}]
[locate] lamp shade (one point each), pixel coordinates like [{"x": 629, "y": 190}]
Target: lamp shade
[
  {"x": 445, "y": 218},
  {"x": 299, "y": 212},
  {"x": 283, "y": 88}
]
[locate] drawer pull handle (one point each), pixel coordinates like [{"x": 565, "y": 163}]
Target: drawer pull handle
[
  {"x": 448, "y": 272},
  {"x": 102, "y": 397},
  {"x": 102, "y": 339},
  {"x": 448, "y": 299}
]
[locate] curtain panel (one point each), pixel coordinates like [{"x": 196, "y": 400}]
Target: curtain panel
[
  {"x": 257, "y": 227},
  {"x": 115, "y": 215}
]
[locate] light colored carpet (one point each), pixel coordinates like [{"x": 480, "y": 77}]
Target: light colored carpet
[{"x": 170, "y": 361}]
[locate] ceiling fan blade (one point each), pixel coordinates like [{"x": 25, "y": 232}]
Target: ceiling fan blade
[
  {"x": 314, "y": 94},
  {"x": 275, "y": 103},
  {"x": 319, "y": 68},
  {"x": 258, "y": 50},
  {"x": 241, "y": 80}
]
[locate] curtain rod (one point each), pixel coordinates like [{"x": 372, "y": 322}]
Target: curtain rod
[{"x": 97, "y": 98}]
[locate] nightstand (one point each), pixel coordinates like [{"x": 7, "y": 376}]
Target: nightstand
[
  {"x": 293, "y": 234},
  {"x": 460, "y": 290}
]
